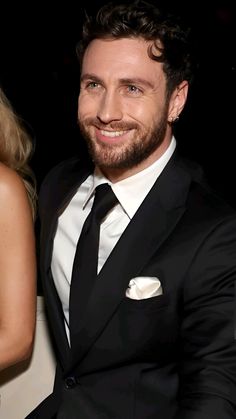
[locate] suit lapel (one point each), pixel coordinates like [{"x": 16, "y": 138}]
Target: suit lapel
[
  {"x": 151, "y": 225},
  {"x": 67, "y": 186}
]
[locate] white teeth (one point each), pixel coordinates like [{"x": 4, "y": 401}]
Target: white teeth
[{"x": 112, "y": 133}]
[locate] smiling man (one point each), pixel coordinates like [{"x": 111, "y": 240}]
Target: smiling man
[
  {"x": 124, "y": 107},
  {"x": 138, "y": 256}
]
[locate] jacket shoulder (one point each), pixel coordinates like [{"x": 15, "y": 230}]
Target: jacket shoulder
[
  {"x": 202, "y": 193},
  {"x": 207, "y": 203},
  {"x": 64, "y": 168},
  {"x": 61, "y": 179}
]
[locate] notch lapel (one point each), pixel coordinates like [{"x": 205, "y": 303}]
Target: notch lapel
[{"x": 68, "y": 184}]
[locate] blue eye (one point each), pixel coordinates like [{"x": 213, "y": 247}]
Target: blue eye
[
  {"x": 92, "y": 85},
  {"x": 133, "y": 89}
]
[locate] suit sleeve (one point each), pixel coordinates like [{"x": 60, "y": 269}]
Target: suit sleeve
[{"x": 208, "y": 345}]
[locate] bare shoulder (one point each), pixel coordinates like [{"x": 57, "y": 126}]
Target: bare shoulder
[
  {"x": 10, "y": 181},
  {"x": 12, "y": 189}
]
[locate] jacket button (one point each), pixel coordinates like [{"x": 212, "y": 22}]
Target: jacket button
[{"x": 71, "y": 382}]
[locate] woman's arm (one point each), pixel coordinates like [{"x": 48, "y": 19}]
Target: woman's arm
[{"x": 17, "y": 270}]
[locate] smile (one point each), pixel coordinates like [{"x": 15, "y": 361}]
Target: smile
[{"x": 112, "y": 134}]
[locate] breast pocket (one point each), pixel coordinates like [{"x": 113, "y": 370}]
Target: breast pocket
[
  {"x": 146, "y": 323},
  {"x": 149, "y": 304}
]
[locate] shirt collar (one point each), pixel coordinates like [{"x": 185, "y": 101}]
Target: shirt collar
[
  {"x": 131, "y": 191},
  {"x": 97, "y": 178}
]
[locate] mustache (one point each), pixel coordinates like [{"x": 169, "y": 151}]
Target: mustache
[{"x": 119, "y": 126}]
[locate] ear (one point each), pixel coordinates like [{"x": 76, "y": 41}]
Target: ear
[{"x": 177, "y": 101}]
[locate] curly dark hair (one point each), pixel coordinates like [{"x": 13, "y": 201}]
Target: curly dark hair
[{"x": 171, "y": 39}]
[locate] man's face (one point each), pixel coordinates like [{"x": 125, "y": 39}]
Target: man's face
[{"x": 123, "y": 110}]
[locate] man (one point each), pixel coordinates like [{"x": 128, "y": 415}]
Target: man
[{"x": 152, "y": 336}]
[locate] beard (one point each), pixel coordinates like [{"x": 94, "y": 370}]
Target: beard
[{"x": 130, "y": 153}]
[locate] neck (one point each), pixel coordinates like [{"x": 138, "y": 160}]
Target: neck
[{"x": 118, "y": 174}]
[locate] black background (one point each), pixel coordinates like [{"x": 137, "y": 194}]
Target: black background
[{"x": 39, "y": 73}]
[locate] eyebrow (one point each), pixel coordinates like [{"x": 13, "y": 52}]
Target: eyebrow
[
  {"x": 133, "y": 81},
  {"x": 137, "y": 80},
  {"x": 90, "y": 76}
]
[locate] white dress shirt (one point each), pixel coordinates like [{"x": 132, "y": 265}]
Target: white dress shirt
[{"x": 130, "y": 193}]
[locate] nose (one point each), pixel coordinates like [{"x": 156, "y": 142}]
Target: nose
[{"x": 109, "y": 108}]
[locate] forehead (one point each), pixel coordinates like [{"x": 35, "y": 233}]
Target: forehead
[{"x": 126, "y": 57}]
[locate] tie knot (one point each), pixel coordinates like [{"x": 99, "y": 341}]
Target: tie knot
[{"x": 104, "y": 201}]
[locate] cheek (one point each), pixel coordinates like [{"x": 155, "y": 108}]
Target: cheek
[
  {"x": 142, "y": 114},
  {"x": 86, "y": 106}
]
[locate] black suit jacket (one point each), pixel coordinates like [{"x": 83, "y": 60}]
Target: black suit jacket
[{"x": 171, "y": 356}]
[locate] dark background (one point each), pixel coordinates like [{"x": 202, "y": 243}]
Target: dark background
[{"x": 39, "y": 73}]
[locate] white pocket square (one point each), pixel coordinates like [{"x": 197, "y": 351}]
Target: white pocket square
[{"x": 143, "y": 287}]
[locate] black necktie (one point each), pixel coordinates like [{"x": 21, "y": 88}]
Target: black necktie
[{"x": 84, "y": 272}]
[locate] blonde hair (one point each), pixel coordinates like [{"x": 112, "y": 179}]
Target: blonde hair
[{"x": 16, "y": 147}]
